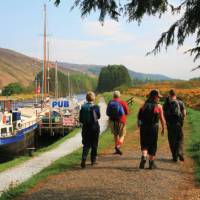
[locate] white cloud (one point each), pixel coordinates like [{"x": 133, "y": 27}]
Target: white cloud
[
  {"x": 110, "y": 31},
  {"x": 73, "y": 50}
]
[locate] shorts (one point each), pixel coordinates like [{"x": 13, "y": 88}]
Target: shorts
[{"x": 117, "y": 128}]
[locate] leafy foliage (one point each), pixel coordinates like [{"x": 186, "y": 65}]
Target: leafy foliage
[
  {"x": 12, "y": 88},
  {"x": 134, "y": 10},
  {"x": 78, "y": 83},
  {"x": 113, "y": 76}
]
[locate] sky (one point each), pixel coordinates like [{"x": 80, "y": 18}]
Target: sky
[{"x": 86, "y": 41}]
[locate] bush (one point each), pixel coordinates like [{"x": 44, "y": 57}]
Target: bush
[{"x": 12, "y": 88}]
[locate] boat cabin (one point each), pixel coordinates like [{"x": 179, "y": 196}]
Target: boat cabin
[{"x": 8, "y": 118}]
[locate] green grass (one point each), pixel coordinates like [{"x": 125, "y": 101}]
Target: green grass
[
  {"x": 193, "y": 140},
  {"x": 21, "y": 159},
  {"x": 66, "y": 162},
  {"x": 107, "y": 96},
  {"x": 13, "y": 163}
]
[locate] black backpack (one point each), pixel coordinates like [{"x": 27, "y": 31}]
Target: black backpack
[
  {"x": 88, "y": 114},
  {"x": 173, "y": 111},
  {"x": 147, "y": 115}
]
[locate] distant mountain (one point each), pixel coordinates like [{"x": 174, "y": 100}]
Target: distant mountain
[
  {"x": 89, "y": 69},
  {"x": 152, "y": 77},
  {"x": 95, "y": 69},
  {"x": 16, "y": 67}
]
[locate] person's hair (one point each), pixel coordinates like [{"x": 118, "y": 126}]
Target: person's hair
[
  {"x": 90, "y": 96},
  {"x": 153, "y": 95},
  {"x": 116, "y": 94},
  {"x": 172, "y": 93}
]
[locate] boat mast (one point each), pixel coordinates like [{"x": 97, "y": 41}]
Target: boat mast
[
  {"x": 36, "y": 88},
  {"x": 56, "y": 80},
  {"x": 48, "y": 75},
  {"x": 45, "y": 47},
  {"x": 69, "y": 93}
]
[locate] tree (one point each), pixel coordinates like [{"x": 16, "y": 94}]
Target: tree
[
  {"x": 113, "y": 76},
  {"x": 79, "y": 83},
  {"x": 12, "y": 88},
  {"x": 134, "y": 10}
]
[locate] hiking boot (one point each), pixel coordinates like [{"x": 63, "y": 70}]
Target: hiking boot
[
  {"x": 152, "y": 165},
  {"x": 174, "y": 159},
  {"x": 142, "y": 162},
  {"x": 93, "y": 162},
  {"x": 83, "y": 164},
  {"x": 118, "y": 151},
  {"x": 181, "y": 158}
]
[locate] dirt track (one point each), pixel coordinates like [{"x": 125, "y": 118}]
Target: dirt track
[{"x": 118, "y": 177}]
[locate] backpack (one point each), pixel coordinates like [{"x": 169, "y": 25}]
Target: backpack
[
  {"x": 173, "y": 111},
  {"x": 147, "y": 115},
  {"x": 115, "y": 110},
  {"x": 88, "y": 114}
]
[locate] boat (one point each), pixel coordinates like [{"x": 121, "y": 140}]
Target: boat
[{"x": 17, "y": 130}]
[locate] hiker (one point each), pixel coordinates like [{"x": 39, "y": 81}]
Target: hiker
[
  {"x": 89, "y": 115},
  {"x": 174, "y": 111},
  {"x": 148, "y": 122},
  {"x": 117, "y": 111}
]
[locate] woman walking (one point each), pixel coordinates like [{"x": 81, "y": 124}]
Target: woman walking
[{"x": 148, "y": 122}]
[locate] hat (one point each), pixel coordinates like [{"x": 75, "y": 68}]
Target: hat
[
  {"x": 116, "y": 94},
  {"x": 155, "y": 93}
]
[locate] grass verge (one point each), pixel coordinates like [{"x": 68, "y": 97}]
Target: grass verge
[
  {"x": 193, "y": 141},
  {"x": 66, "y": 162}
]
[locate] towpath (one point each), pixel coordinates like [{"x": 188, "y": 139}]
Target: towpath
[
  {"x": 21, "y": 173},
  {"x": 118, "y": 177}
]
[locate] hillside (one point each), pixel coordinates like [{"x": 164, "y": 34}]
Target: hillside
[
  {"x": 95, "y": 69},
  {"x": 16, "y": 67},
  {"x": 189, "y": 91}
]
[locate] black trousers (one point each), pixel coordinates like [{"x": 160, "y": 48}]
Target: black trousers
[
  {"x": 90, "y": 139},
  {"x": 175, "y": 138},
  {"x": 149, "y": 138}
]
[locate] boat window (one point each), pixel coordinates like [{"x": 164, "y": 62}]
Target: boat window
[
  {"x": 3, "y": 130},
  {"x": 10, "y": 129}
]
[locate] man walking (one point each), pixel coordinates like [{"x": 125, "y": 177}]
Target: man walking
[
  {"x": 117, "y": 111},
  {"x": 174, "y": 111},
  {"x": 89, "y": 115}
]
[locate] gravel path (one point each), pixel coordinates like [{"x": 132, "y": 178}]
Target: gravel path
[
  {"x": 118, "y": 178},
  {"x": 21, "y": 173}
]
